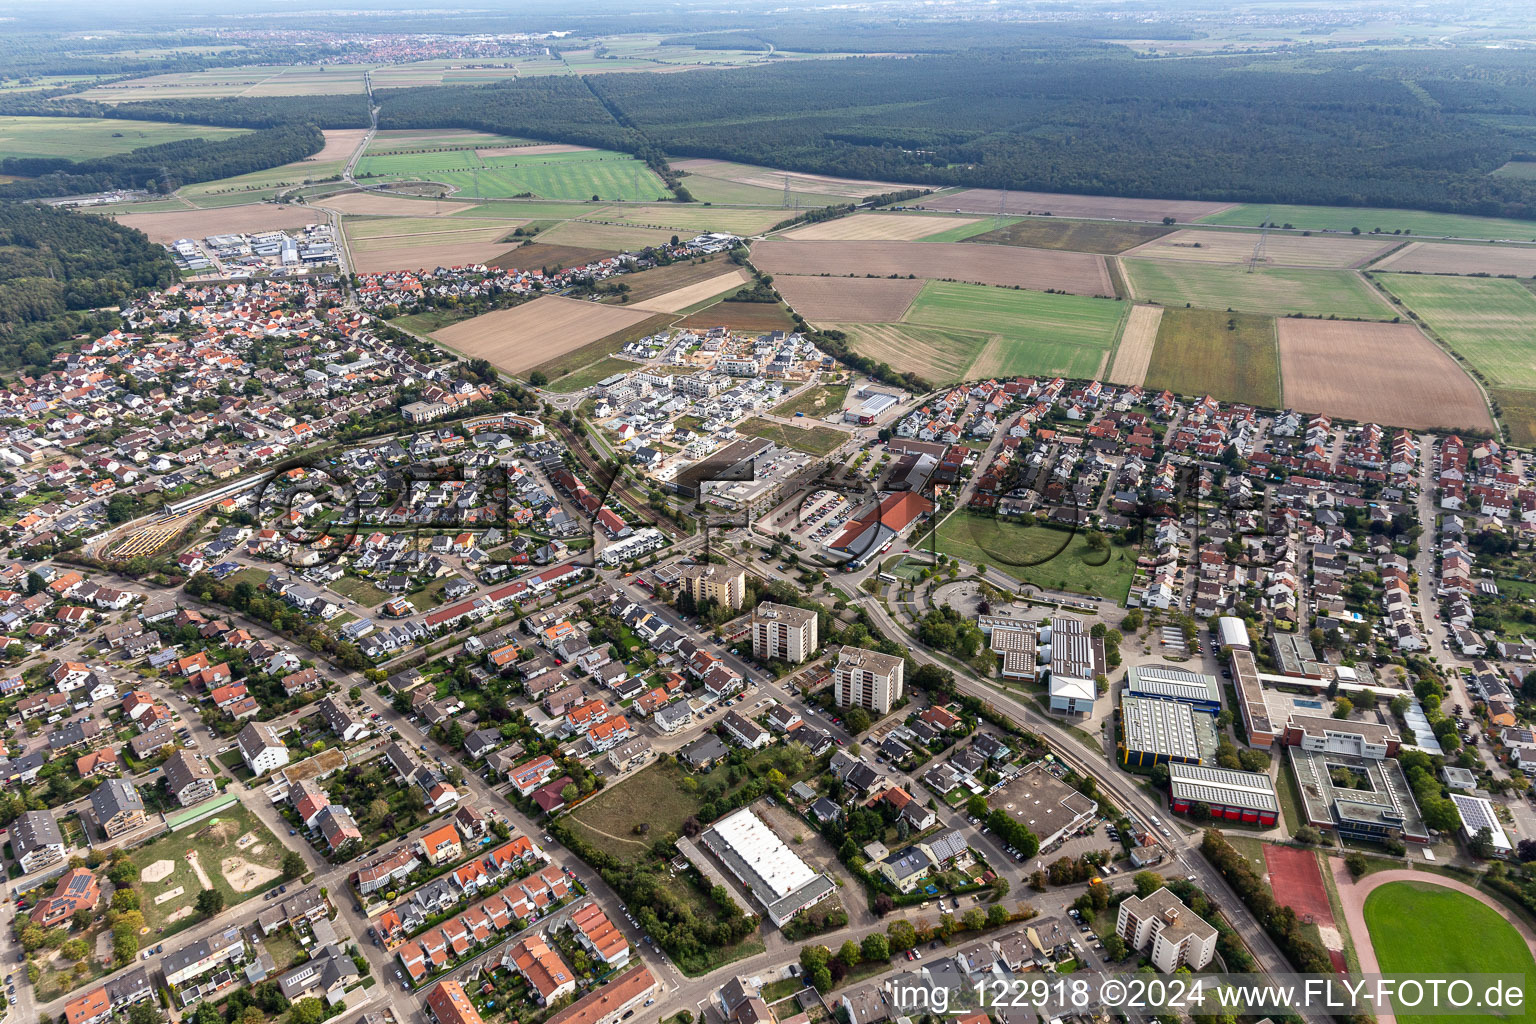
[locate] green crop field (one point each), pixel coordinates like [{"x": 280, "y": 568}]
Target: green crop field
[
  {"x": 570, "y": 176},
  {"x": 1039, "y": 555},
  {"x": 1032, "y": 332},
  {"x": 81, "y": 138},
  {"x": 1517, "y": 411},
  {"x": 1489, "y": 321},
  {"x": 1230, "y": 356},
  {"x": 1420, "y": 929},
  {"x": 1069, "y": 235},
  {"x": 1345, "y": 218},
  {"x": 1273, "y": 290}
]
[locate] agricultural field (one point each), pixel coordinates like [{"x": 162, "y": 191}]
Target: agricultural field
[
  {"x": 761, "y": 317},
  {"x": 1229, "y": 356},
  {"x": 280, "y": 80},
  {"x": 648, "y": 284},
  {"x": 1040, "y": 555},
  {"x": 552, "y": 257},
  {"x": 605, "y": 236},
  {"x": 1070, "y": 235},
  {"x": 584, "y": 366},
  {"x": 938, "y": 355},
  {"x": 168, "y": 227},
  {"x": 231, "y": 852},
  {"x": 1517, "y": 169},
  {"x": 518, "y": 339},
  {"x": 724, "y": 182},
  {"x": 1134, "y": 353},
  {"x": 992, "y": 202},
  {"x": 372, "y": 204},
  {"x": 1031, "y": 332},
  {"x": 1379, "y": 373},
  {"x": 1345, "y": 218},
  {"x": 1517, "y": 411},
  {"x": 688, "y": 220},
  {"x": 723, "y": 283},
  {"x": 1487, "y": 321},
  {"x": 1420, "y": 929},
  {"x": 422, "y": 140},
  {"x": 879, "y": 227},
  {"x": 82, "y": 138},
  {"x": 411, "y": 243},
  {"x": 1453, "y": 258},
  {"x": 1039, "y": 269},
  {"x": 1204, "y": 246},
  {"x": 247, "y": 188},
  {"x": 440, "y": 72},
  {"x": 1272, "y": 290},
  {"x": 811, "y": 440},
  {"x": 863, "y": 300},
  {"x": 573, "y": 173}
]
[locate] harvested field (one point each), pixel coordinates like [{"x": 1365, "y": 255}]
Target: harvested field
[
  {"x": 1229, "y": 356},
  {"x": 690, "y": 295},
  {"x": 340, "y": 144},
  {"x": 372, "y": 204},
  {"x": 534, "y": 150},
  {"x": 1071, "y": 235},
  {"x": 1449, "y": 258},
  {"x": 605, "y": 236},
  {"x": 518, "y": 339},
  {"x": 527, "y": 257},
  {"x": 1280, "y": 250},
  {"x": 768, "y": 178},
  {"x": 168, "y": 227},
  {"x": 1381, "y": 373},
  {"x": 1037, "y": 269},
  {"x": 585, "y": 366},
  {"x": 986, "y": 201},
  {"x": 648, "y": 284},
  {"x": 1277, "y": 291},
  {"x": 761, "y": 317},
  {"x": 1137, "y": 341},
  {"x": 937, "y": 355},
  {"x": 687, "y": 219},
  {"x": 425, "y": 257},
  {"x": 890, "y": 227},
  {"x": 848, "y": 300}
]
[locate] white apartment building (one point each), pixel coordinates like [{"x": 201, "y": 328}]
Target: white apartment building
[
  {"x": 782, "y": 632},
  {"x": 1171, "y": 934},
  {"x": 867, "y": 679}
]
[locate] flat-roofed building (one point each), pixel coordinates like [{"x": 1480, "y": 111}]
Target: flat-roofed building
[
  {"x": 867, "y": 679},
  {"x": 1045, "y": 804},
  {"x": 1324, "y": 735},
  {"x": 1250, "y": 699},
  {"x": 1170, "y": 682},
  {"x": 1171, "y": 934},
  {"x": 1358, "y": 797},
  {"x": 722, "y": 584},
  {"x": 1230, "y": 795},
  {"x": 773, "y": 873},
  {"x": 1076, "y": 662},
  {"x": 782, "y": 632},
  {"x": 1161, "y": 731}
]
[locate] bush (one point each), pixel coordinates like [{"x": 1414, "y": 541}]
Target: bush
[{"x": 1357, "y": 864}]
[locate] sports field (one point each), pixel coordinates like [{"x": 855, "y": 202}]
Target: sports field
[
  {"x": 1229, "y": 356},
  {"x": 1489, "y": 321},
  {"x": 1040, "y": 555},
  {"x": 1421, "y": 929},
  {"x": 81, "y": 138},
  {"x": 1345, "y": 218},
  {"x": 1273, "y": 290},
  {"x": 1032, "y": 332},
  {"x": 1377, "y": 373},
  {"x": 574, "y": 175}
]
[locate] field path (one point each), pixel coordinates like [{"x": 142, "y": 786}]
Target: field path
[
  {"x": 610, "y": 835},
  {"x": 1137, "y": 341},
  {"x": 1130, "y": 287}
]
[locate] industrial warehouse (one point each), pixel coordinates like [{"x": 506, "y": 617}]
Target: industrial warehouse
[{"x": 771, "y": 872}]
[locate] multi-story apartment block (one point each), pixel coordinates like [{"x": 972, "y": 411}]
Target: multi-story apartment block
[
  {"x": 867, "y": 679},
  {"x": 782, "y": 632},
  {"x": 1166, "y": 930}
]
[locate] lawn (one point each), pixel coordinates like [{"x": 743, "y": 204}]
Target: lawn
[
  {"x": 571, "y": 176},
  {"x": 654, "y": 796},
  {"x": 431, "y": 320},
  {"x": 1421, "y": 929},
  {"x": 1274, "y": 290},
  {"x": 816, "y": 401},
  {"x": 1230, "y": 356},
  {"x": 83, "y": 138},
  {"x": 1031, "y": 332},
  {"x": 1039, "y": 555},
  {"x": 1344, "y": 218},
  {"x": 812, "y": 440},
  {"x": 1488, "y": 321},
  {"x": 226, "y": 864},
  {"x": 359, "y": 590}
]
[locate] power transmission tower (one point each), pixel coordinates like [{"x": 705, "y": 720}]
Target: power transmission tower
[
  {"x": 1260, "y": 252},
  {"x": 786, "y": 190},
  {"x": 1002, "y": 208}
]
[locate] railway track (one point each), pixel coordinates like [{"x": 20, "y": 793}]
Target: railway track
[{"x": 628, "y": 495}]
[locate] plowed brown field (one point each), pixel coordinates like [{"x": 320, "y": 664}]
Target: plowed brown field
[
  {"x": 1037, "y": 269},
  {"x": 520, "y": 338},
  {"x": 861, "y": 300}
]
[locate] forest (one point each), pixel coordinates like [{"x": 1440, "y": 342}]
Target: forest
[
  {"x": 55, "y": 266},
  {"x": 162, "y": 168}
]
